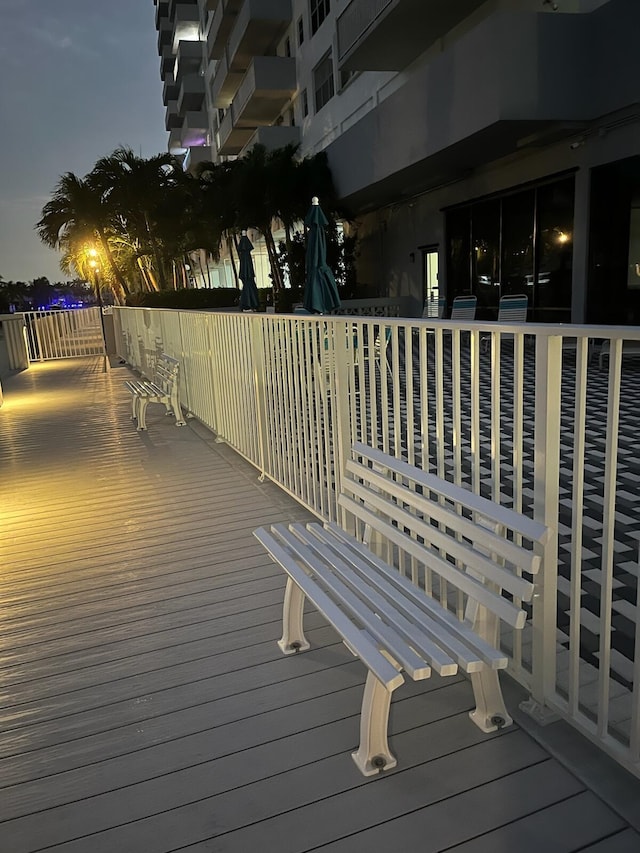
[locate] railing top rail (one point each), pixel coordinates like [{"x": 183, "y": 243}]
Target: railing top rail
[{"x": 565, "y": 330}]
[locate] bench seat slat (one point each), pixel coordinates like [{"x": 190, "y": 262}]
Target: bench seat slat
[
  {"x": 416, "y": 604},
  {"x": 361, "y": 611},
  {"x": 444, "y": 652},
  {"x": 467, "y": 527},
  {"x": 530, "y": 529},
  {"x": 407, "y": 643},
  {"x": 502, "y": 608},
  {"x": 373, "y": 659}
]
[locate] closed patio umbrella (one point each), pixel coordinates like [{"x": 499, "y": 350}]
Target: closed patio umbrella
[
  {"x": 320, "y": 291},
  {"x": 249, "y": 295}
]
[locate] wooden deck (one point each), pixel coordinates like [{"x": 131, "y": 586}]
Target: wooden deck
[{"x": 144, "y": 704}]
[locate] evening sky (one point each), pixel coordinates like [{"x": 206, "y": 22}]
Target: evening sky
[{"x": 80, "y": 78}]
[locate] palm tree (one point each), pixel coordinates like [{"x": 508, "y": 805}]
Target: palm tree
[
  {"x": 217, "y": 205},
  {"x": 252, "y": 194},
  {"x": 136, "y": 188},
  {"x": 76, "y": 214}
]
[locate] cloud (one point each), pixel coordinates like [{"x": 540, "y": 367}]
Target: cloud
[{"x": 61, "y": 41}]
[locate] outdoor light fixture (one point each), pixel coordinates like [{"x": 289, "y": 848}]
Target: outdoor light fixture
[{"x": 95, "y": 266}]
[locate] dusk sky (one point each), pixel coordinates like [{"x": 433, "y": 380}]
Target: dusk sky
[{"x": 80, "y": 78}]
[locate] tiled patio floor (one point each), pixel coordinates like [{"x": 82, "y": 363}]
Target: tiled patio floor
[{"x": 144, "y": 705}]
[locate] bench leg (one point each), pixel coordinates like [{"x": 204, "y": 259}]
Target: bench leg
[
  {"x": 490, "y": 713},
  {"x": 142, "y": 408},
  {"x": 134, "y": 407},
  {"x": 373, "y": 754},
  {"x": 177, "y": 411},
  {"x": 293, "y": 638}
]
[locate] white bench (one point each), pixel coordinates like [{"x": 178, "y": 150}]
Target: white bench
[
  {"x": 448, "y": 569},
  {"x": 163, "y": 389}
]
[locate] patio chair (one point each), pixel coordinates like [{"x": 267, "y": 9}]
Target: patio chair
[
  {"x": 464, "y": 308},
  {"x": 511, "y": 309},
  {"x": 434, "y": 309}
]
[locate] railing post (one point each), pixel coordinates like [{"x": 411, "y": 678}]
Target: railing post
[
  {"x": 344, "y": 362},
  {"x": 257, "y": 355},
  {"x": 548, "y": 379}
]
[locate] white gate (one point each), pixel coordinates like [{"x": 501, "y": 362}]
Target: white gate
[{"x": 64, "y": 334}]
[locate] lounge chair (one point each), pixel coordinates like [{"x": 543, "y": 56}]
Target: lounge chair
[
  {"x": 464, "y": 308},
  {"x": 511, "y": 309}
]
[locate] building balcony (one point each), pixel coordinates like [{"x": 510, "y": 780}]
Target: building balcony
[
  {"x": 191, "y": 130},
  {"x": 222, "y": 22},
  {"x": 387, "y": 35},
  {"x": 195, "y": 129},
  {"x": 225, "y": 83},
  {"x": 170, "y": 90},
  {"x": 165, "y": 34},
  {"x": 198, "y": 154},
  {"x": 167, "y": 61},
  {"x": 516, "y": 79},
  {"x": 274, "y": 136},
  {"x": 188, "y": 58},
  {"x": 174, "y": 143},
  {"x": 231, "y": 138},
  {"x": 172, "y": 117},
  {"x": 162, "y": 11},
  {"x": 266, "y": 89},
  {"x": 191, "y": 95},
  {"x": 259, "y": 27},
  {"x": 186, "y": 24}
]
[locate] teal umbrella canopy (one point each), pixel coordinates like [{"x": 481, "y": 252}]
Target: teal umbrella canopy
[
  {"x": 320, "y": 290},
  {"x": 249, "y": 295}
]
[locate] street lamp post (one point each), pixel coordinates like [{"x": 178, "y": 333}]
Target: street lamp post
[{"x": 95, "y": 266}]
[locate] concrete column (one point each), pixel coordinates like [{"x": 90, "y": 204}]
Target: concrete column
[{"x": 580, "y": 246}]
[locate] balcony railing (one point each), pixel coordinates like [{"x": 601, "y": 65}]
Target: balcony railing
[
  {"x": 225, "y": 83},
  {"x": 221, "y": 25},
  {"x": 528, "y": 420},
  {"x": 231, "y": 137},
  {"x": 259, "y": 25},
  {"x": 273, "y": 136},
  {"x": 387, "y": 35},
  {"x": 266, "y": 88},
  {"x": 356, "y": 19},
  {"x": 191, "y": 94}
]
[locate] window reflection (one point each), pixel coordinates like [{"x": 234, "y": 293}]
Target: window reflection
[{"x": 519, "y": 243}]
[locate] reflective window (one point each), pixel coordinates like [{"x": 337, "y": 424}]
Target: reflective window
[
  {"x": 485, "y": 232},
  {"x": 518, "y": 226},
  {"x": 318, "y": 11},
  {"x": 323, "y": 82},
  {"x": 554, "y": 229},
  {"x": 521, "y": 242}
]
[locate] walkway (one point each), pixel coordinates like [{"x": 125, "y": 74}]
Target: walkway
[{"x": 144, "y": 705}]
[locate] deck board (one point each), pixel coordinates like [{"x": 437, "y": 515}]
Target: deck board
[{"x": 144, "y": 704}]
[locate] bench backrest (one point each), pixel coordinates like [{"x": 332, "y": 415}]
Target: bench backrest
[
  {"x": 166, "y": 373},
  {"x": 435, "y": 527}
]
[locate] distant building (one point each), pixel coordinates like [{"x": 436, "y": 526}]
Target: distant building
[{"x": 485, "y": 146}]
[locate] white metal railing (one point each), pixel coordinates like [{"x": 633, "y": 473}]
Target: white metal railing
[
  {"x": 530, "y": 420},
  {"x": 63, "y": 334}
]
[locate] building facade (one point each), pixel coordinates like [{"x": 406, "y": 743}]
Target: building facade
[{"x": 483, "y": 146}]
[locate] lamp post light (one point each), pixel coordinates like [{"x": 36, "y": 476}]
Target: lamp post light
[{"x": 95, "y": 266}]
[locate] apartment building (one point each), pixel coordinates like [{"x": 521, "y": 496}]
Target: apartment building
[{"x": 484, "y": 146}]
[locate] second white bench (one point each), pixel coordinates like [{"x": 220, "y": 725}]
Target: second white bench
[{"x": 162, "y": 389}]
